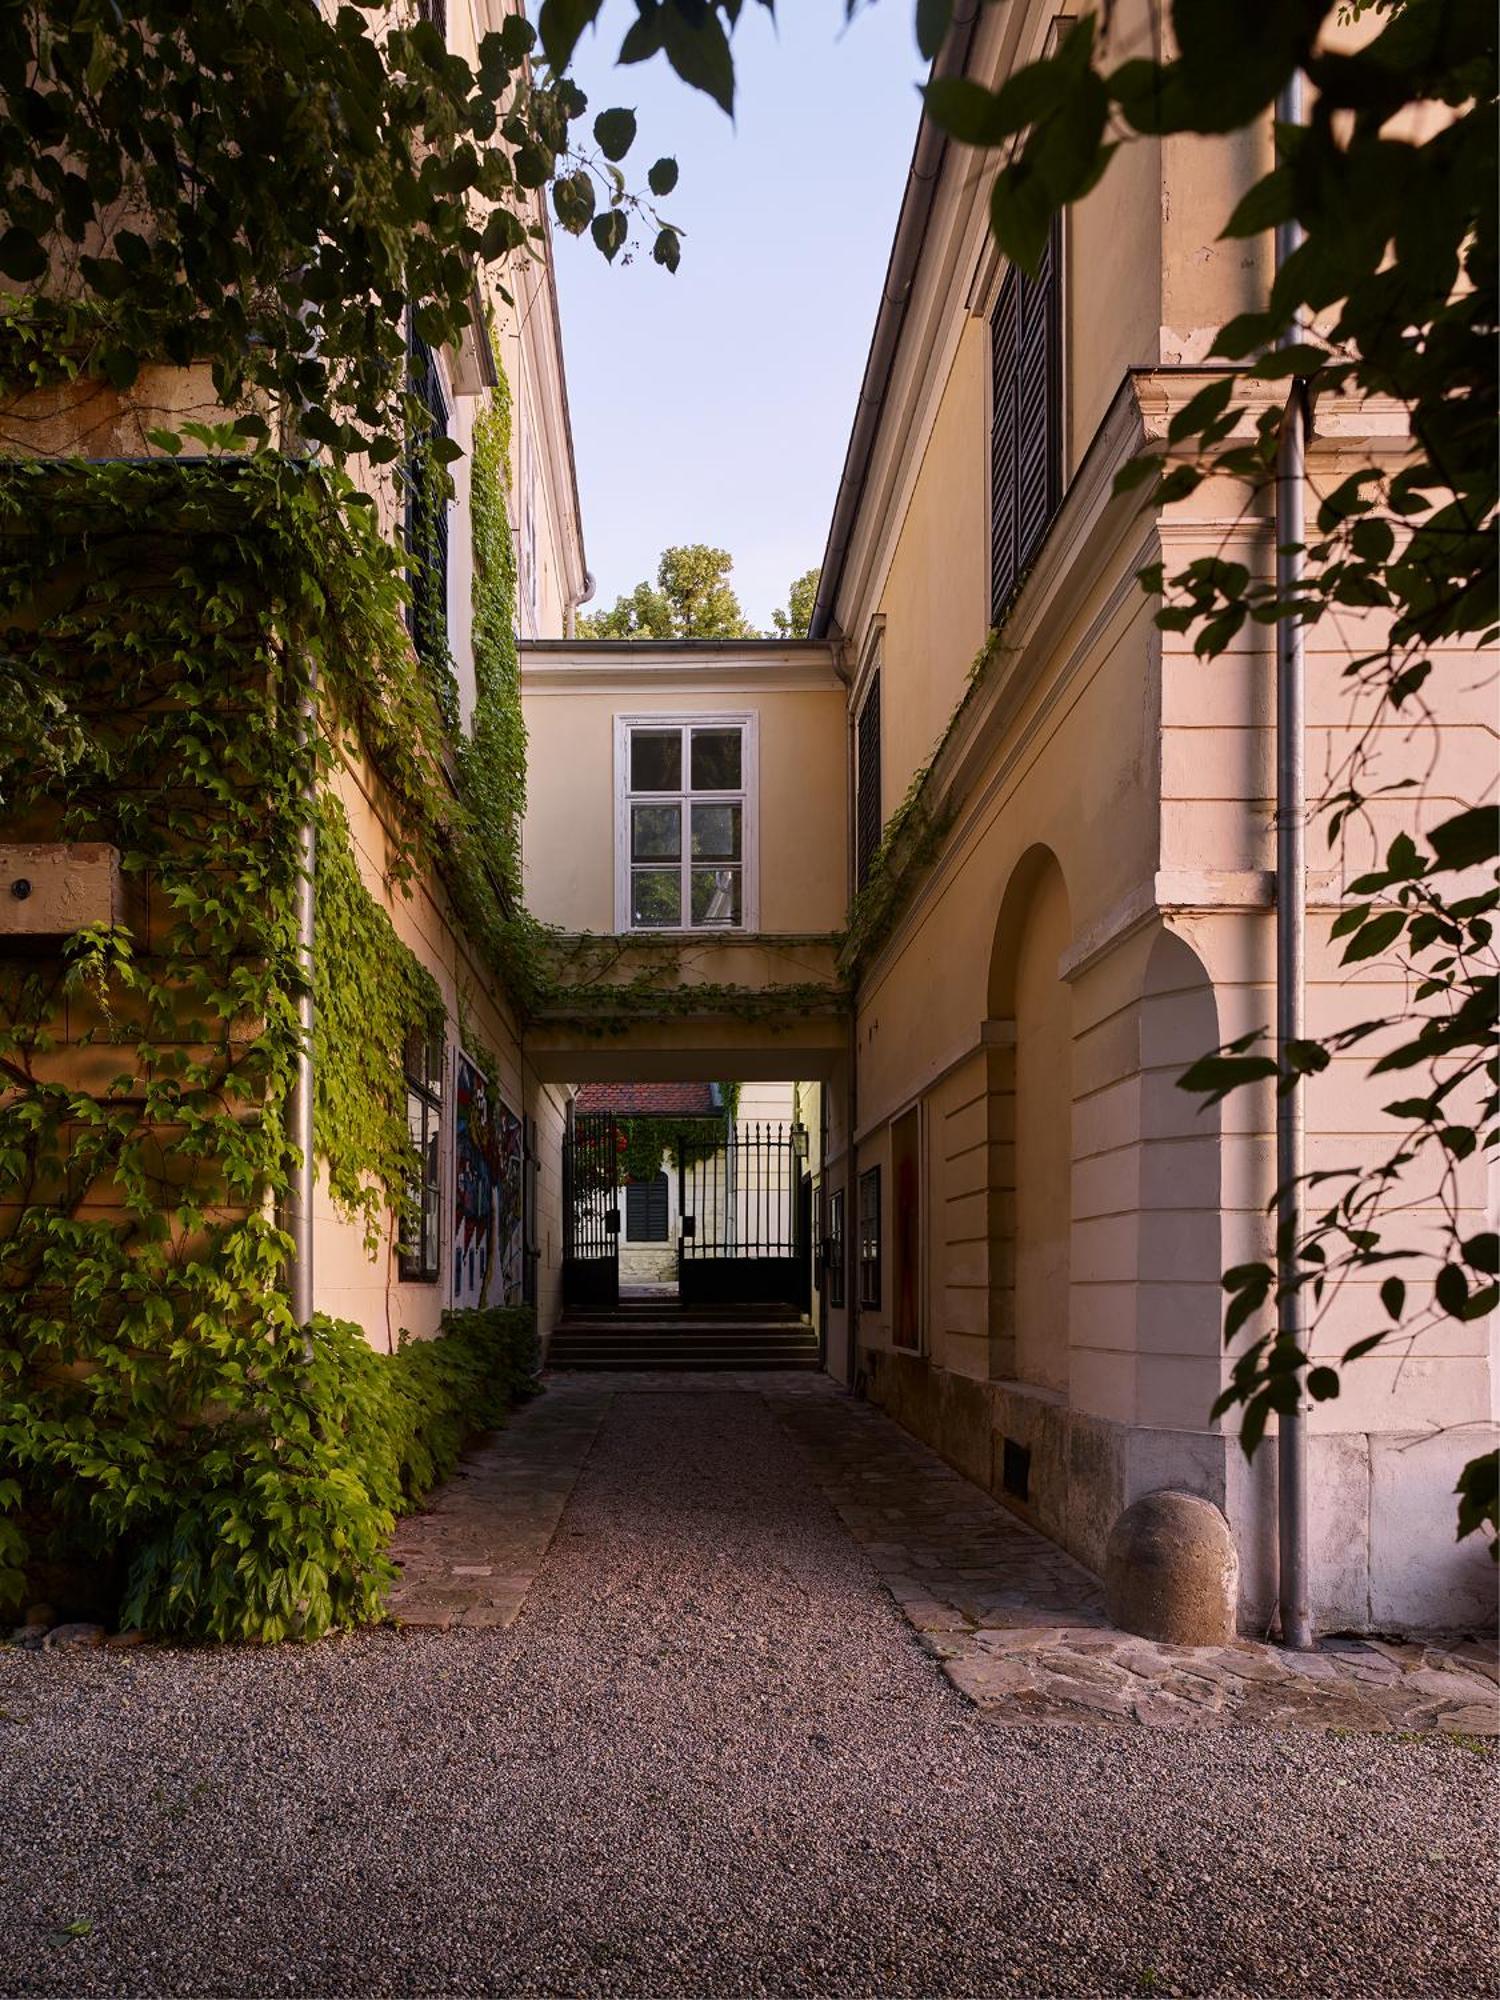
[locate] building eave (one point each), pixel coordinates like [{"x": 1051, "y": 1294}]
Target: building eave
[{"x": 922, "y": 180}]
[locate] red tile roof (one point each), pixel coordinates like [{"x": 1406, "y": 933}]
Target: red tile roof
[{"x": 651, "y": 1100}]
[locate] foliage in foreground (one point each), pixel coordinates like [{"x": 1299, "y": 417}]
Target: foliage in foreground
[
  {"x": 1392, "y": 294},
  {"x": 248, "y": 1494}
]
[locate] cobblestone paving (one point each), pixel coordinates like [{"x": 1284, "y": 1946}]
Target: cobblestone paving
[
  {"x": 470, "y": 1558},
  {"x": 1020, "y": 1627}
]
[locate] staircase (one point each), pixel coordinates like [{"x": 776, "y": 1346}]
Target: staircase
[{"x": 647, "y": 1334}]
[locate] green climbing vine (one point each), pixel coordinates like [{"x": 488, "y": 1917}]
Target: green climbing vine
[
  {"x": 492, "y": 760},
  {"x": 158, "y": 1408},
  {"x": 914, "y": 832},
  {"x": 372, "y": 992}
]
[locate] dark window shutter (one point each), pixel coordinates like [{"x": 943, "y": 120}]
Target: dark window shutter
[
  {"x": 1026, "y": 437},
  {"x": 646, "y": 1210},
  {"x": 427, "y": 510},
  {"x": 868, "y": 820},
  {"x": 1005, "y": 350}
]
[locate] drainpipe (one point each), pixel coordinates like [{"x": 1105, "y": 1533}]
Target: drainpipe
[
  {"x": 299, "y": 1202},
  {"x": 576, "y": 604},
  {"x": 1291, "y": 928}
]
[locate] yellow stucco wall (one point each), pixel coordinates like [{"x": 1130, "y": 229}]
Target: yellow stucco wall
[{"x": 569, "y": 835}]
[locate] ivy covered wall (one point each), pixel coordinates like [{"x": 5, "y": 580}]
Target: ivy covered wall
[{"x": 162, "y": 626}]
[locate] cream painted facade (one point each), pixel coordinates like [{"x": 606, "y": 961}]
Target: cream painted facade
[
  {"x": 1100, "y": 911},
  {"x": 790, "y": 702}
]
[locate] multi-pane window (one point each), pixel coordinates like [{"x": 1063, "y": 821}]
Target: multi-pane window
[
  {"x": 869, "y": 1238},
  {"x": 685, "y": 827},
  {"x": 418, "y": 1251},
  {"x": 835, "y": 1252},
  {"x": 868, "y": 822},
  {"x": 427, "y": 484},
  {"x": 1025, "y": 418}
]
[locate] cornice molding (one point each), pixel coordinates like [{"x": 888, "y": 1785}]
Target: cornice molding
[{"x": 629, "y": 668}]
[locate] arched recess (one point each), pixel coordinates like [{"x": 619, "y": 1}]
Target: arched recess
[
  {"x": 1180, "y": 1251},
  {"x": 1031, "y": 1128}
]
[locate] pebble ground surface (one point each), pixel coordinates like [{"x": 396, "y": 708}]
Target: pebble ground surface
[{"x": 707, "y": 1757}]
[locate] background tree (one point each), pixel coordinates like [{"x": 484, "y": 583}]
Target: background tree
[
  {"x": 691, "y": 599},
  {"x": 792, "y": 623}
]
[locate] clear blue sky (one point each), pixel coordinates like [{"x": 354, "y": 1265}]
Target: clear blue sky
[{"x": 715, "y": 405}]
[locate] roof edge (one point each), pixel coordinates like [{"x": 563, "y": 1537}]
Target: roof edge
[{"x": 928, "y": 156}]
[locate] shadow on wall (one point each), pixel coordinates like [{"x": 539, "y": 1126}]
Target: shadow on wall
[{"x": 1031, "y": 1125}]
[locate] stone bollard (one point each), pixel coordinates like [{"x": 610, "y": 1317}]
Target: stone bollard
[{"x": 1171, "y": 1571}]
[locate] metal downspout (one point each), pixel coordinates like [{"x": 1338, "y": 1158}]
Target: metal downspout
[
  {"x": 1291, "y": 928},
  {"x": 299, "y": 1202}
]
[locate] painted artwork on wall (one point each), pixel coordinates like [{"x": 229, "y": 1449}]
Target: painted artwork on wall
[
  {"x": 510, "y": 1199},
  {"x": 488, "y": 1194},
  {"x": 475, "y": 1171}
]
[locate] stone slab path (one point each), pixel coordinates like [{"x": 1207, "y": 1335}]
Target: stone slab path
[
  {"x": 1017, "y": 1625},
  {"x": 470, "y": 1557},
  {"x": 1020, "y": 1627}
]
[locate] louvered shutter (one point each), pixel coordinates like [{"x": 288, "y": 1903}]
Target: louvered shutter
[
  {"x": 1036, "y": 419},
  {"x": 1005, "y": 350},
  {"x": 868, "y": 820},
  {"x": 646, "y": 1210},
  {"x": 1026, "y": 430}
]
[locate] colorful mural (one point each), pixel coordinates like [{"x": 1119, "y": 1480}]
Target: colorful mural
[
  {"x": 475, "y": 1160},
  {"x": 488, "y": 1193},
  {"x": 510, "y": 1196}
]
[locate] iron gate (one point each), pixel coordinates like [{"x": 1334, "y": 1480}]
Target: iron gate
[
  {"x": 746, "y": 1221},
  {"x": 591, "y": 1211}
]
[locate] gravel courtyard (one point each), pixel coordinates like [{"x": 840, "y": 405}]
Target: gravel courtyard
[{"x": 709, "y": 1758}]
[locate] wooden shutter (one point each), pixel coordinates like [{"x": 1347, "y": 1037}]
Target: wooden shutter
[
  {"x": 646, "y": 1210},
  {"x": 1005, "y": 350},
  {"x": 1026, "y": 430},
  {"x": 868, "y": 818}
]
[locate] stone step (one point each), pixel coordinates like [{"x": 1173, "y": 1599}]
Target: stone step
[{"x": 683, "y": 1360}]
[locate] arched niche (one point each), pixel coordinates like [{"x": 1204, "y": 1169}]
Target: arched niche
[
  {"x": 1180, "y": 1253},
  {"x": 1031, "y": 1128}
]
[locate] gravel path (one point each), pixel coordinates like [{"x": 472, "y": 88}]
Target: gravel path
[{"x": 708, "y": 1758}]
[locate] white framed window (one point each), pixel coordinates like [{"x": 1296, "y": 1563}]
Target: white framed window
[{"x": 686, "y": 831}]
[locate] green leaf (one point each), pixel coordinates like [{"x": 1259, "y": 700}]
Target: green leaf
[
  {"x": 667, "y": 250},
  {"x": 1021, "y": 212},
  {"x": 663, "y": 176},
  {"x": 609, "y": 232},
  {"x": 1269, "y": 202},
  {"x": 615, "y": 132},
  {"x": 966, "y": 111},
  {"x": 573, "y": 201},
  {"x": 698, "y": 49},
  {"x": 560, "y": 24},
  {"x": 21, "y": 255},
  {"x": 934, "y": 18}
]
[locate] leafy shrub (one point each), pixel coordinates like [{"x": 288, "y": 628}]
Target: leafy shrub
[{"x": 262, "y": 1512}]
